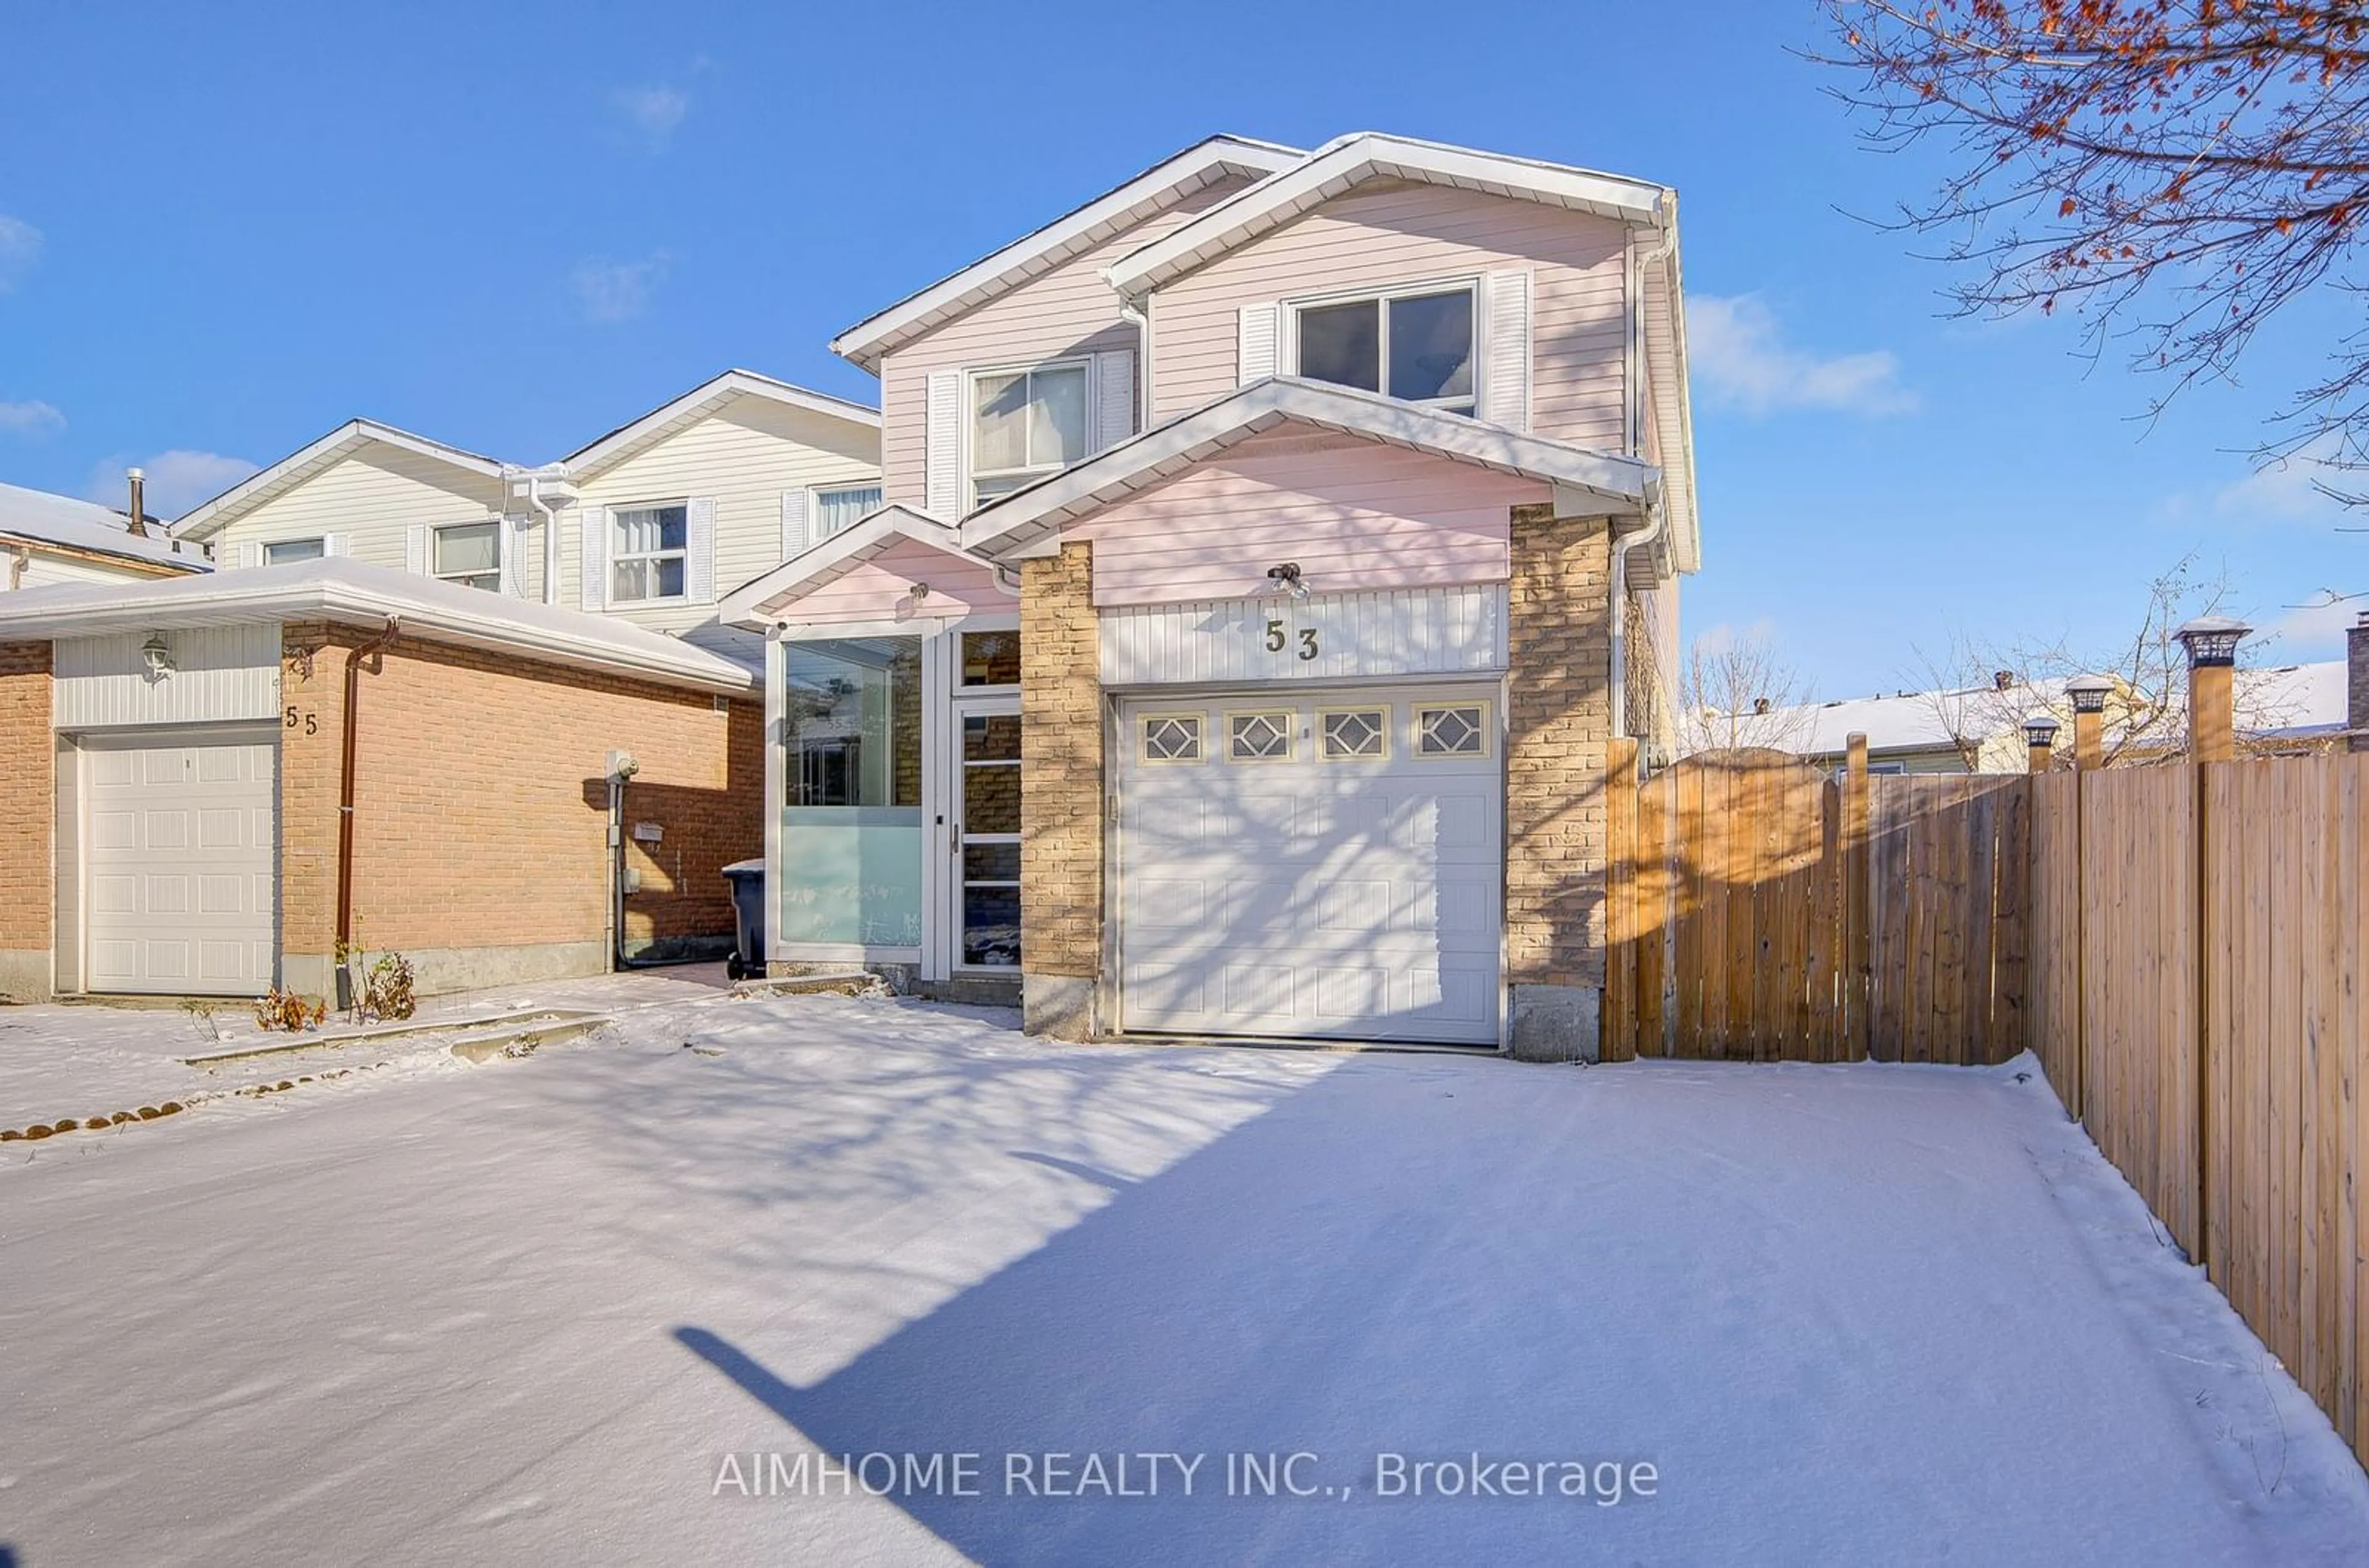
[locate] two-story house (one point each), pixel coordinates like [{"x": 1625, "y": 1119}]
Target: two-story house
[
  {"x": 1271, "y": 547},
  {"x": 388, "y": 722}
]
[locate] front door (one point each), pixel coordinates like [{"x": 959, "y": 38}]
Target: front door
[{"x": 986, "y": 837}]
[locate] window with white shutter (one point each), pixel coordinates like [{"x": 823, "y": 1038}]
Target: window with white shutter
[
  {"x": 700, "y": 581},
  {"x": 592, "y": 565},
  {"x": 1114, "y": 397},
  {"x": 941, "y": 475},
  {"x": 793, "y": 524},
  {"x": 1505, "y": 352}
]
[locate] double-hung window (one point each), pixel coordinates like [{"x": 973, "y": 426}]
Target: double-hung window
[
  {"x": 841, "y": 507},
  {"x": 647, "y": 549},
  {"x": 1416, "y": 346},
  {"x": 281, "y": 552},
  {"x": 469, "y": 553},
  {"x": 1025, "y": 425}
]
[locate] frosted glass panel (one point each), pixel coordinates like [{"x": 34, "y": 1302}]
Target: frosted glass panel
[{"x": 851, "y": 756}]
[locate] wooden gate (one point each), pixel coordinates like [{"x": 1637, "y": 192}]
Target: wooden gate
[{"x": 1762, "y": 909}]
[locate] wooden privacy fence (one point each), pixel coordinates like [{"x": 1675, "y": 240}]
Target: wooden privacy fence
[
  {"x": 1761, "y": 910},
  {"x": 2185, "y": 947}
]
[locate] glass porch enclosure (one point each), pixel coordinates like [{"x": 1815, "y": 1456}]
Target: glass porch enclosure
[{"x": 897, "y": 781}]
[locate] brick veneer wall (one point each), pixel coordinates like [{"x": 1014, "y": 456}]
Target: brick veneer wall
[
  {"x": 28, "y": 763},
  {"x": 1061, "y": 765},
  {"x": 481, "y": 807},
  {"x": 1559, "y": 716}
]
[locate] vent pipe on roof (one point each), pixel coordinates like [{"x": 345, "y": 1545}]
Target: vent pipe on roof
[{"x": 139, "y": 502}]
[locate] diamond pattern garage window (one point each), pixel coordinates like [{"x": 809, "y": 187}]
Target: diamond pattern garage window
[
  {"x": 1171, "y": 737},
  {"x": 1259, "y": 738},
  {"x": 1356, "y": 732},
  {"x": 1458, "y": 731}
]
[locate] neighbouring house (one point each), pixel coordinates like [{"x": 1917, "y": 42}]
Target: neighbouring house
[
  {"x": 185, "y": 740},
  {"x": 1980, "y": 728},
  {"x": 711, "y": 487},
  {"x": 48, "y": 540},
  {"x": 1239, "y": 645},
  {"x": 177, "y": 756}
]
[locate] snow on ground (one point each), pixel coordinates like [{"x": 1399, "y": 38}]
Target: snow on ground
[{"x": 521, "y": 1313}]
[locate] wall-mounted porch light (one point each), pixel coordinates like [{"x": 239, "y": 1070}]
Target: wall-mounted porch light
[
  {"x": 1285, "y": 577},
  {"x": 157, "y": 655}
]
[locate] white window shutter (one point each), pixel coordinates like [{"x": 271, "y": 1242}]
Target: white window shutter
[
  {"x": 592, "y": 566},
  {"x": 337, "y": 544},
  {"x": 513, "y": 556},
  {"x": 699, "y": 544},
  {"x": 793, "y": 524},
  {"x": 415, "y": 549},
  {"x": 1114, "y": 397},
  {"x": 1255, "y": 343},
  {"x": 941, "y": 475},
  {"x": 1505, "y": 349},
  {"x": 250, "y": 553}
]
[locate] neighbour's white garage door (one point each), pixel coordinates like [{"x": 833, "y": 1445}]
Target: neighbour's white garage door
[
  {"x": 179, "y": 869},
  {"x": 1312, "y": 865}
]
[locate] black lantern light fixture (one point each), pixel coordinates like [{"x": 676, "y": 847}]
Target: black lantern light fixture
[
  {"x": 2212, "y": 640},
  {"x": 2088, "y": 693}
]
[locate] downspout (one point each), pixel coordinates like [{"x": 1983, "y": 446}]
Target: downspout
[
  {"x": 1655, "y": 518},
  {"x": 550, "y": 538},
  {"x": 371, "y": 647}
]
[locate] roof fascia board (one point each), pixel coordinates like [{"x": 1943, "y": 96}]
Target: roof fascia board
[
  {"x": 698, "y": 403},
  {"x": 1341, "y": 166},
  {"x": 865, "y": 343},
  {"x": 210, "y": 518},
  {"x": 1583, "y": 479}
]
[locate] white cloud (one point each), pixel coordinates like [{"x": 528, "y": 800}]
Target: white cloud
[
  {"x": 177, "y": 480},
  {"x": 2287, "y": 488},
  {"x": 1741, "y": 358},
  {"x": 609, "y": 290},
  {"x": 20, "y": 246},
  {"x": 654, "y": 110},
  {"x": 33, "y": 418},
  {"x": 2317, "y": 626}
]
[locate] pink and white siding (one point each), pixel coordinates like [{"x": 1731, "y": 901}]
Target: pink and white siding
[
  {"x": 881, "y": 590},
  {"x": 1358, "y": 516},
  {"x": 1386, "y": 235}
]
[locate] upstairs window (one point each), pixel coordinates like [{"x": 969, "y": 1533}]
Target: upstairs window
[
  {"x": 1416, "y": 346},
  {"x": 840, "y": 508},
  {"x": 1025, "y": 425},
  {"x": 279, "y": 552},
  {"x": 469, "y": 553},
  {"x": 649, "y": 547}
]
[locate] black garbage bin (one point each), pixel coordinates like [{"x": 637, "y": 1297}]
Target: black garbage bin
[{"x": 748, "y": 879}]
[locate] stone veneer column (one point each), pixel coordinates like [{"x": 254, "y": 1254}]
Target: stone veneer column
[
  {"x": 29, "y": 762},
  {"x": 1557, "y": 719},
  {"x": 2356, "y": 662},
  {"x": 1061, "y": 797}
]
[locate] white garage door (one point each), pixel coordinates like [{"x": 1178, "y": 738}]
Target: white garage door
[
  {"x": 179, "y": 872},
  {"x": 1313, "y": 865}
]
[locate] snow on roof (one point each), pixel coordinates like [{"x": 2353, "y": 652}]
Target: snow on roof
[
  {"x": 44, "y": 518},
  {"x": 341, "y": 589},
  {"x": 2294, "y": 699}
]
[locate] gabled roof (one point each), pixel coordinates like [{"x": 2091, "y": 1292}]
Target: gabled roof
[
  {"x": 1026, "y": 521},
  {"x": 38, "y": 517},
  {"x": 1342, "y": 165},
  {"x": 204, "y": 521},
  {"x": 702, "y": 400},
  {"x": 341, "y": 589},
  {"x": 754, "y": 603},
  {"x": 1204, "y": 164}
]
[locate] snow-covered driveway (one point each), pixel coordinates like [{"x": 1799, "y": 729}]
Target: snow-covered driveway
[{"x": 524, "y": 1312}]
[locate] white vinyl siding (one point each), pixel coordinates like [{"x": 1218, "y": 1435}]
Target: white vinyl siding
[
  {"x": 745, "y": 461},
  {"x": 368, "y": 503}
]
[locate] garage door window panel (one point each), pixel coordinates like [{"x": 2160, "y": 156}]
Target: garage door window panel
[
  {"x": 1455, "y": 730},
  {"x": 1356, "y": 735},
  {"x": 1261, "y": 736},
  {"x": 1171, "y": 738}
]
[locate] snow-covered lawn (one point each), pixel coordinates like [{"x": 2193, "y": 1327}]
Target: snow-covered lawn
[{"x": 524, "y": 1312}]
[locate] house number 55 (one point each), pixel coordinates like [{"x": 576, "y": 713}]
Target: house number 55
[{"x": 1277, "y": 639}]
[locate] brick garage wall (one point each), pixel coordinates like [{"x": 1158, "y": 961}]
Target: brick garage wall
[
  {"x": 28, "y": 763},
  {"x": 480, "y": 807},
  {"x": 1061, "y": 815},
  {"x": 1558, "y": 717}
]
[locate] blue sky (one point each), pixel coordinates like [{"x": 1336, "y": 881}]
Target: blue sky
[{"x": 226, "y": 230}]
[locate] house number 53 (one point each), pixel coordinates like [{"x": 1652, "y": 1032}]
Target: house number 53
[{"x": 1277, "y": 639}]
